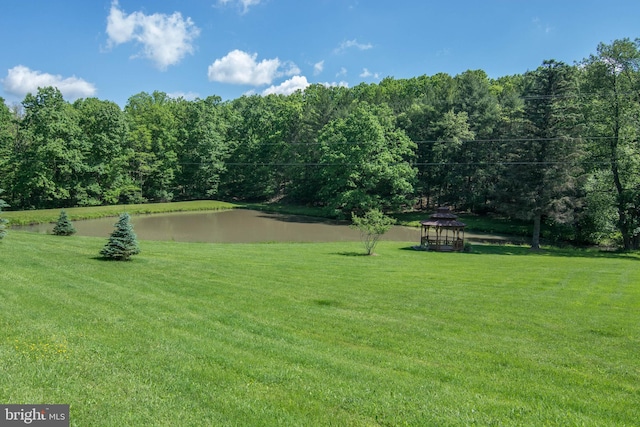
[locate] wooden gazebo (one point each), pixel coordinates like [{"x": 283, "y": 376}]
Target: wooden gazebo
[{"x": 442, "y": 232}]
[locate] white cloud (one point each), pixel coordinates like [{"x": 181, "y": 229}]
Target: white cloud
[
  {"x": 239, "y": 67},
  {"x": 165, "y": 39},
  {"x": 244, "y": 4},
  {"x": 366, "y": 73},
  {"x": 21, "y": 80},
  {"x": 540, "y": 26},
  {"x": 288, "y": 87},
  {"x": 342, "y": 72},
  {"x": 335, "y": 84},
  {"x": 120, "y": 27},
  {"x": 189, "y": 96},
  {"x": 318, "y": 67},
  {"x": 348, "y": 44},
  {"x": 290, "y": 69}
]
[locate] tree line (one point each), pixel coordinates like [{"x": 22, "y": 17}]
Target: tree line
[{"x": 558, "y": 144}]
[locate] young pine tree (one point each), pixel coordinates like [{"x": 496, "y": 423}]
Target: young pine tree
[
  {"x": 3, "y": 222},
  {"x": 63, "y": 226},
  {"x": 123, "y": 242}
]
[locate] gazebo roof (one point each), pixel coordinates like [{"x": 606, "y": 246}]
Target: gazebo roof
[
  {"x": 443, "y": 213},
  {"x": 443, "y": 223},
  {"x": 443, "y": 218}
]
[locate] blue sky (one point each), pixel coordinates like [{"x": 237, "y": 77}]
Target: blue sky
[{"x": 195, "y": 48}]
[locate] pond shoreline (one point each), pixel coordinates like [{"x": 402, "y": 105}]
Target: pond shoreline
[
  {"x": 46, "y": 216},
  {"x": 239, "y": 225}
]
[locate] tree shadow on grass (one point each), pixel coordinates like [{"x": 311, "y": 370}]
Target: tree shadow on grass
[
  {"x": 351, "y": 253},
  {"x": 523, "y": 250},
  {"x": 554, "y": 252},
  {"x": 101, "y": 258},
  {"x": 326, "y": 302},
  {"x": 301, "y": 219}
]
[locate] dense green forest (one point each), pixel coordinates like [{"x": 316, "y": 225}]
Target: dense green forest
[{"x": 556, "y": 145}]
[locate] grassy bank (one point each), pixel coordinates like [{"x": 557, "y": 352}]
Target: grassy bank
[
  {"x": 92, "y": 212},
  {"x": 492, "y": 224},
  {"x": 477, "y": 223},
  {"x": 315, "y": 334},
  {"x": 43, "y": 216}
]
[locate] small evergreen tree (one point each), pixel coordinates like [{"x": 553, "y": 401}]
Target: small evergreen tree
[
  {"x": 372, "y": 226},
  {"x": 3, "y": 222},
  {"x": 63, "y": 226},
  {"x": 123, "y": 242}
]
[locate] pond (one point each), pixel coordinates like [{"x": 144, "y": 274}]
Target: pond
[
  {"x": 244, "y": 226},
  {"x": 232, "y": 226}
]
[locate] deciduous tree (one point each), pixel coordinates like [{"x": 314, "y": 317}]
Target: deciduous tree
[
  {"x": 7, "y": 139},
  {"x": 48, "y": 158},
  {"x": 202, "y": 147},
  {"x": 612, "y": 77},
  {"x": 107, "y": 179},
  {"x": 366, "y": 162},
  {"x": 153, "y": 132},
  {"x": 372, "y": 226}
]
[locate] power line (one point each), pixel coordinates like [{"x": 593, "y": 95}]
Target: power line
[
  {"x": 305, "y": 164},
  {"x": 504, "y": 140},
  {"x": 433, "y": 141}
]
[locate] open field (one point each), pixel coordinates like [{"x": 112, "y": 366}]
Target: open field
[{"x": 315, "y": 334}]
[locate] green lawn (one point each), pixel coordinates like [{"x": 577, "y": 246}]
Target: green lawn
[{"x": 192, "y": 334}]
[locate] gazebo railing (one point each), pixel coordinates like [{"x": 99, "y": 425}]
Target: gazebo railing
[{"x": 451, "y": 243}]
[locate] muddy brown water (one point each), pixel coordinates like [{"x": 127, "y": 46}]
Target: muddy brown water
[{"x": 232, "y": 226}]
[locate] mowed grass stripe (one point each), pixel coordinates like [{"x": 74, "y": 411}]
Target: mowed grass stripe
[{"x": 315, "y": 334}]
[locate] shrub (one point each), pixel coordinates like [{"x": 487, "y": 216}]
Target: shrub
[
  {"x": 372, "y": 226},
  {"x": 3, "y": 228}
]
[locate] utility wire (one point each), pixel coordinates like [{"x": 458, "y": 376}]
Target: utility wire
[
  {"x": 305, "y": 164},
  {"x": 433, "y": 141}
]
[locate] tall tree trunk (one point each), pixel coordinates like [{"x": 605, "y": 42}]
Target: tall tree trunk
[
  {"x": 622, "y": 213},
  {"x": 622, "y": 209},
  {"x": 535, "y": 240}
]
